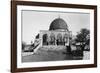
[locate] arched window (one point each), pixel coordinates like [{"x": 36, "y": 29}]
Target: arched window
[
  {"x": 52, "y": 39},
  {"x": 59, "y": 39}
]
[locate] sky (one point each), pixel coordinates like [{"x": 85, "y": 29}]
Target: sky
[{"x": 34, "y": 21}]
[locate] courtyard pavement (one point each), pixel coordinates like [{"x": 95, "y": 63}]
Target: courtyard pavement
[{"x": 49, "y": 55}]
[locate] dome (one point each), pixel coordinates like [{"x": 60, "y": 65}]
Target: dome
[{"x": 58, "y": 24}]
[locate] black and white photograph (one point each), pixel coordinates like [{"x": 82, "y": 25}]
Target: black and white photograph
[
  {"x": 55, "y": 36},
  {"x": 52, "y": 36}
]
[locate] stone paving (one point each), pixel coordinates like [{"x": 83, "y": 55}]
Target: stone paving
[{"x": 49, "y": 55}]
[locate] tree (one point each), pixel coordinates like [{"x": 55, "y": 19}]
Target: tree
[{"x": 81, "y": 37}]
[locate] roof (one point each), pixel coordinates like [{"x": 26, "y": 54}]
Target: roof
[{"x": 58, "y": 24}]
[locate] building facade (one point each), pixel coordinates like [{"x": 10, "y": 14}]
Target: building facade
[{"x": 57, "y": 35}]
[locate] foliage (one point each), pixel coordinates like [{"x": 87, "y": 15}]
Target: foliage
[{"x": 82, "y": 35}]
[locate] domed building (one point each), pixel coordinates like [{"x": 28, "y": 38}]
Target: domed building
[{"x": 57, "y": 35}]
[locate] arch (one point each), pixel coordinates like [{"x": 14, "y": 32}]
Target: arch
[
  {"x": 52, "y": 39},
  {"x": 65, "y": 38},
  {"x": 59, "y": 39},
  {"x": 45, "y": 36}
]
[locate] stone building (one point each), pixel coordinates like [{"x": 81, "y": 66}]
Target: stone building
[{"x": 58, "y": 34}]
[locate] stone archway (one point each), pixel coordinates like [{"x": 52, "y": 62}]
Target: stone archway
[
  {"x": 45, "y": 36},
  {"x": 65, "y": 38},
  {"x": 52, "y": 39},
  {"x": 59, "y": 39}
]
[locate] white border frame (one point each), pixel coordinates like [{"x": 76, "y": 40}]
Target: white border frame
[{"x": 53, "y": 63}]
